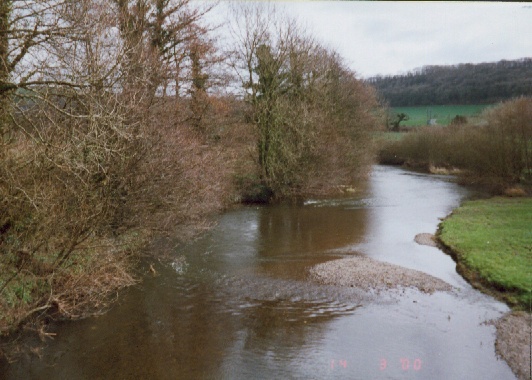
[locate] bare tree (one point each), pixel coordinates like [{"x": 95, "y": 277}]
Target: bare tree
[
  {"x": 156, "y": 34},
  {"x": 296, "y": 87},
  {"x": 27, "y": 29},
  {"x": 76, "y": 139},
  {"x": 5, "y": 11}
]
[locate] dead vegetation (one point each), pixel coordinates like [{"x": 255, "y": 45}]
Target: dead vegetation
[
  {"x": 91, "y": 156},
  {"x": 497, "y": 154},
  {"x": 99, "y": 152},
  {"x": 312, "y": 117}
]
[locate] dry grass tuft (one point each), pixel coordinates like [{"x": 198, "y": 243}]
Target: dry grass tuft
[
  {"x": 440, "y": 170},
  {"x": 515, "y": 192},
  {"x": 84, "y": 287}
]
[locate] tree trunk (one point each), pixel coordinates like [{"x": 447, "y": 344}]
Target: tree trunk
[{"x": 5, "y": 10}]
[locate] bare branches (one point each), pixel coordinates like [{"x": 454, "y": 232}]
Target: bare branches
[
  {"x": 78, "y": 84},
  {"x": 30, "y": 27},
  {"x": 296, "y": 87},
  {"x": 69, "y": 168}
]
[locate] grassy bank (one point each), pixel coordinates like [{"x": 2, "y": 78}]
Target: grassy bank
[{"x": 491, "y": 241}]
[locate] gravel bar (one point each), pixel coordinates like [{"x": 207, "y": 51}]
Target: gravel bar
[
  {"x": 426, "y": 239},
  {"x": 514, "y": 342},
  {"x": 366, "y": 273}
]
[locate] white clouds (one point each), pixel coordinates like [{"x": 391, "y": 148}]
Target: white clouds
[{"x": 393, "y": 37}]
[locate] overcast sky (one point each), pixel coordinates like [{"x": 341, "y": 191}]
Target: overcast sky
[{"x": 396, "y": 37}]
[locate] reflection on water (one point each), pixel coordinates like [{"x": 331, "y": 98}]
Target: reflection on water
[
  {"x": 403, "y": 204},
  {"x": 237, "y": 304},
  {"x": 291, "y": 239}
]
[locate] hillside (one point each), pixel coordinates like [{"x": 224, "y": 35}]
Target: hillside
[{"x": 484, "y": 83}]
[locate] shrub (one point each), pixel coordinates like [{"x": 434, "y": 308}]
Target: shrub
[
  {"x": 499, "y": 152},
  {"x": 313, "y": 118},
  {"x": 459, "y": 119}
]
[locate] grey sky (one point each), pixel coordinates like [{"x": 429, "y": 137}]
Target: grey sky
[{"x": 395, "y": 37}]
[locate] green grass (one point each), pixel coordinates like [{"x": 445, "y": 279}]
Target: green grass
[
  {"x": 493, "y": 239},
  {"x": 443, "y": 114}
]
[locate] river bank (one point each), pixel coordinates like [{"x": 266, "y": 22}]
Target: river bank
[
  {"x": 100, "y": 270},
  {"x": 491, "y": 242},
  {"x": 236, "y": 302},
  {"x": 512, "y": 343},
  {"x": 503, "y": 222}
]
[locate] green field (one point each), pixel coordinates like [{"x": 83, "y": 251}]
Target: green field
[
  {"x": 443, "y": 114},
  {"x": 492, "y": 241}
]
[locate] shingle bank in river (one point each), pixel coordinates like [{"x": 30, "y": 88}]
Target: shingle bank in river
[{"x": 366, "y": 273}]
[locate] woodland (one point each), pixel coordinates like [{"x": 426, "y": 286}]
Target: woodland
[
  {"x": 122, "y": 119},
  {"x": 483, "y": 83}
]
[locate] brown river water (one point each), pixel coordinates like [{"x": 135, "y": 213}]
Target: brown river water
[{"x": 238, "y": 302}]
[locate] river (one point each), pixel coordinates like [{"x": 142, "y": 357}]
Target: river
[{"x": 238, "y": 303}]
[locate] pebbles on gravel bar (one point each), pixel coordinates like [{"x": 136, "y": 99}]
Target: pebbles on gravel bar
[
  {"x": 366, "y": 273},
  {"x": 514, "y": 342},
  {"x": 425, "y": 239}
]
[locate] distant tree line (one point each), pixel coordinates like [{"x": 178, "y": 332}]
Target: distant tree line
[{"x": 484, "y": 83}]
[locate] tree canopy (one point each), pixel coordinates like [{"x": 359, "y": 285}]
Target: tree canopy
[{"x": 313, "y": 117}]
